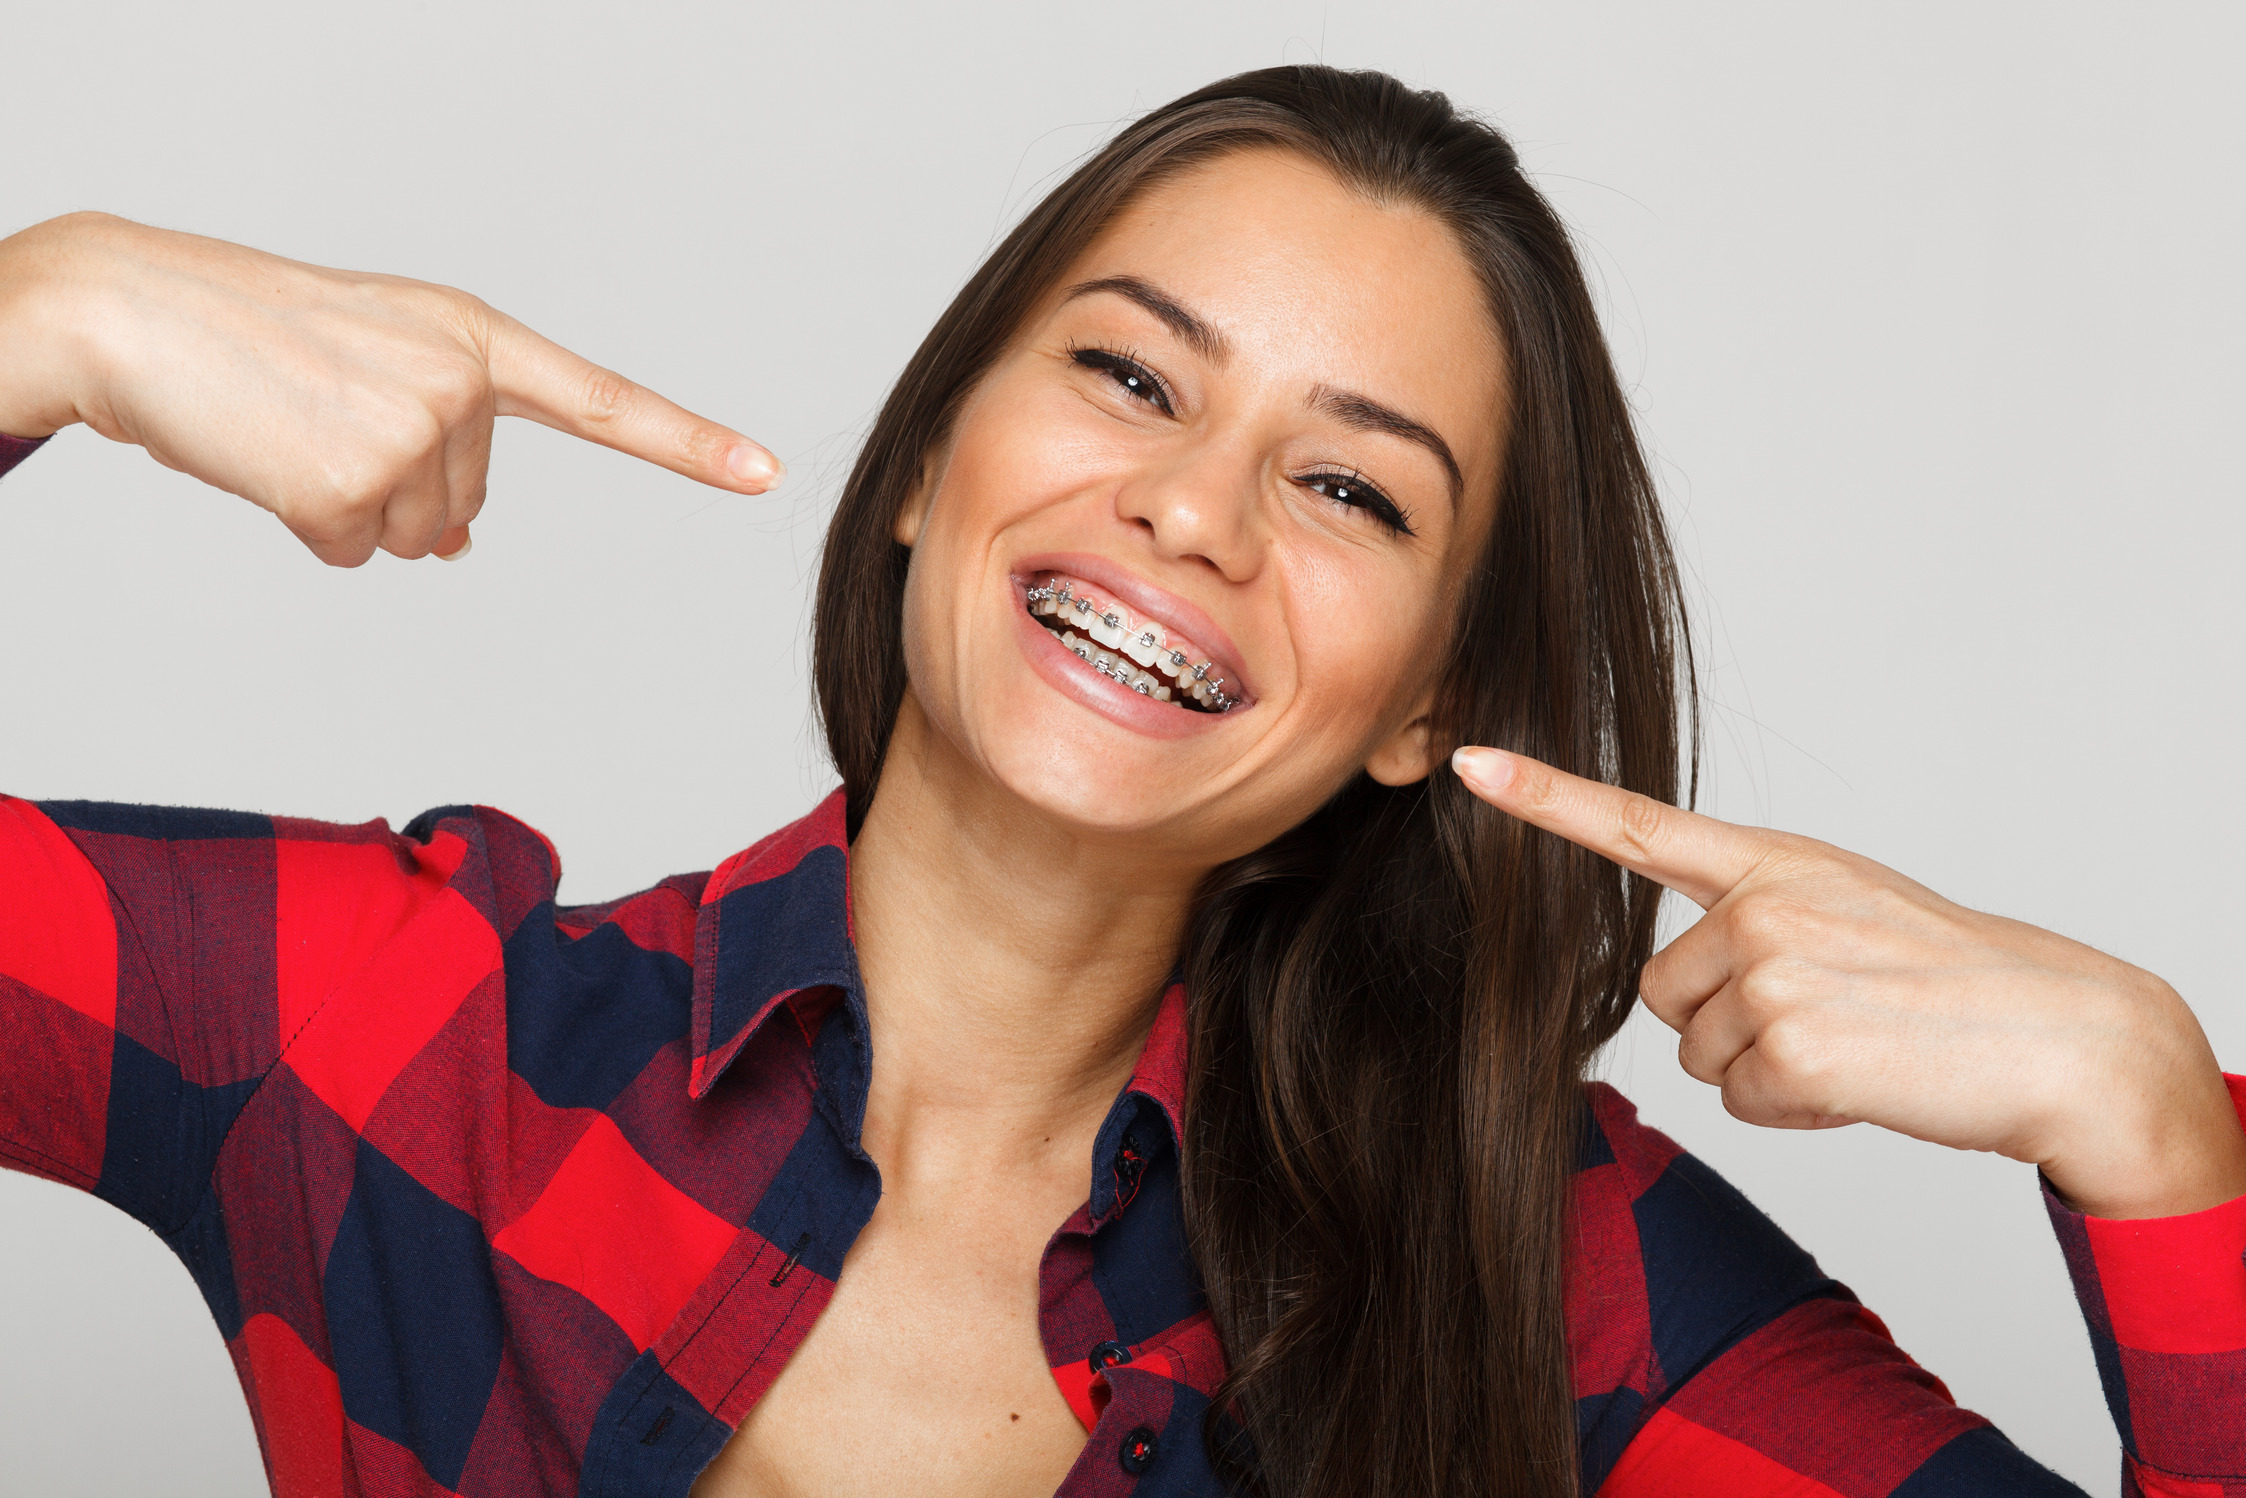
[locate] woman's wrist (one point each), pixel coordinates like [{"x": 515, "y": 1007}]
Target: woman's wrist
[
  {"x": 45, "y": 341},
  {"x": 2165, "y": 1139}
]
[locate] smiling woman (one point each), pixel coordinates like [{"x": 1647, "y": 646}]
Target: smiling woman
[{"x": 1152, "y": 1069}]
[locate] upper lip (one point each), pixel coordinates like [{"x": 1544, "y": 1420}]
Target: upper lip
[{"x": 1146, "y": 603}]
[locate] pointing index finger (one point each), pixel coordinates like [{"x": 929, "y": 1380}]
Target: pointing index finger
[
  {"x": 1698, "y": 857},
  {"x": 535, "y": 377}
]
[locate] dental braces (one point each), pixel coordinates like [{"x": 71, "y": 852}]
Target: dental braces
[{"x": 1219, "y": 701}]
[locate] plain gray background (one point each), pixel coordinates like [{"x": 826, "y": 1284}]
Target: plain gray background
[{"x": 1931, "y": 312}]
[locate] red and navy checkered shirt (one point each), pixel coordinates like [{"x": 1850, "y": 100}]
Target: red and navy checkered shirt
[{"x": 498, "y": 1197}]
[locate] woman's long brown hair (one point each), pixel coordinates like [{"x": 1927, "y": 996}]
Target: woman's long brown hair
[{"x": 1393, "y": 1005}]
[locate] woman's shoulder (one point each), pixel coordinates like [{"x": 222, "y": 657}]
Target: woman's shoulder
[
  {"x": 1681, "y": 1216},
  {"x": 1671, "y": 1262},
  {"x": 271, "y": 865}
]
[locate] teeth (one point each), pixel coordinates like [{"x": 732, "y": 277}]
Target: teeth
[{"x": 1135, "y": 655}]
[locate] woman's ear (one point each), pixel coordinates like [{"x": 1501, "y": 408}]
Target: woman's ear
[
  {"x": 906, "y": 527},
  {"x": 912, "y": 515},
  {"x": 1403, "y": 756}
]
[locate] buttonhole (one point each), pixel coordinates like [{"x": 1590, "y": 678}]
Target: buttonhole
[
  {"x": 795, "y": 1257},
  {"x": 655, "y": 1431}
]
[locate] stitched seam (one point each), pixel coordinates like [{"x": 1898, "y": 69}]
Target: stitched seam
[
  {"x": 710, "y": 1417},
  {"x": 30, "y": 1154},
  {"x": 127, "y": 920},
  {"x": 718, "y": 1304},
  {"x": 663, "y": 1366},
  {"x": 2158, "y": 1470}
]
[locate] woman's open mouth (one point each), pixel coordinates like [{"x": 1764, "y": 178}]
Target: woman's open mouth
[{"x": 1139, "y": 654}]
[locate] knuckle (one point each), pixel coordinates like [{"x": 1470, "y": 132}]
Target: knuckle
[
  {"x": 1767, "y": 989},
  {"x": 704, "y": 446},
  {"x": 1793, "y": 1049},
  {"x": 358, "y": 481},
  {"x": 1746, "y": 1103},
  {"x": 1766, "y": 920},
  {"x": 338, "y": 552},
  {"x": 1657, "y": 972},
  {"x": 1642, "y": 823},
  {"x": 1692, "y": 1056},
  {"x": 457, "y": 388},
  {"x": 416, "y": 434},
  {"x": 470, "y": 503},
  {"x": 604, "y": 397},
  {"x": 1535, "y": 787}
]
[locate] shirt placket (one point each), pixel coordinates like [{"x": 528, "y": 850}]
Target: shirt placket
[{"x": 681, "y": 1400}]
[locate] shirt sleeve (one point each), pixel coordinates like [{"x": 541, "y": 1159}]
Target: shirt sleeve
[
  {"x": 14, "y": 450},
  {"x": 2165, "y": 1299},
  {"x": 1751, "y": 1374},
  {"x": 155, "y": 964}
]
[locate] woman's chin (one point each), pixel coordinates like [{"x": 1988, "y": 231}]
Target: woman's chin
[{"x": 1066, "y": 786}]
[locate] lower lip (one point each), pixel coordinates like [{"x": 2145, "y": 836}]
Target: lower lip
[{"x": 1068, "y": 673}]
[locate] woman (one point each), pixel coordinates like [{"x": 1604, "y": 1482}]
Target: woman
[{"x": 1272, "y": 459}]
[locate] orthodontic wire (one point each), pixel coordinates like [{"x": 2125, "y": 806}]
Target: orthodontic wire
[{"x": 1114, "y": 620}]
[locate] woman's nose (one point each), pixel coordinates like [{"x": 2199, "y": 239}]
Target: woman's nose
[{"x": 1201, "y": 502}]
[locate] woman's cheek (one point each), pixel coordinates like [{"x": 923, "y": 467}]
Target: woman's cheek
[{"x": 1361, "y": 639}]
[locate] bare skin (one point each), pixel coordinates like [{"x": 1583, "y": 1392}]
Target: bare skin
[
  {"x": 356, "y": 408},
  {"x": 1009, "y": 995},
  {"x": 1823, "y": 989},
  {"x": 1007, "y": 1010}
]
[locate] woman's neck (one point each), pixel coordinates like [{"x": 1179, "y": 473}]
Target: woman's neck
[{"x": 1011, "y": 967}]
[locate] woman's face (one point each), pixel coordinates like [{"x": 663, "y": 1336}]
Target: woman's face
[{"x": 1260, "y": 417}]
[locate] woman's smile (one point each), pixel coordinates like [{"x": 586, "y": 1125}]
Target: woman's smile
[
  {"x": 1139, "y": 640},
  {"x": 1225, "y": 521},
  {"x": 1149, "y": 1070}
]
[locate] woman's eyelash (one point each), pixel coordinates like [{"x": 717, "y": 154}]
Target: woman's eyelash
[
  {"x": 1126, "y": 371},
  {"x": 1342, "y": 487},
  {"x": 1350, "y": 489}
]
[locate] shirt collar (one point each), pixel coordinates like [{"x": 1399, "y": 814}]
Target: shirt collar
[
  {"x": 774, "y": 935},
  {"x": 774, "y": 930}
]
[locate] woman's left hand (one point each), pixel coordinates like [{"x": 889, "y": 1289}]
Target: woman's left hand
[{"x": 1822, "y": 988}]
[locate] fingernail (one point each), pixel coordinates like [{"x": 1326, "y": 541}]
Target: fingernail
[
  {"x": 750, "y": 464},
  {"x": 453, "y": 556},
  {"x": 1485, "y": 767}
]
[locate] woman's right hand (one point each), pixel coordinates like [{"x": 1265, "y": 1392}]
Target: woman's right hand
[{"x": 355, "y": 407}]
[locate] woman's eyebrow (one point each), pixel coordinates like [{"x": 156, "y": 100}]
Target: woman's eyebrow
[
  {"x": 1365, "y": 414},
  {"x": 1196, "y": 331},
  {"x": 1360, "y": 412}
]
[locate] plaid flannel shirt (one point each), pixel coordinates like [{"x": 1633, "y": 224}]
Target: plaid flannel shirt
[{"x": 498, "y": 1197}]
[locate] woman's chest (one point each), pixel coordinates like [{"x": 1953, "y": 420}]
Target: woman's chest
[{"x": 926, "y": 1373}]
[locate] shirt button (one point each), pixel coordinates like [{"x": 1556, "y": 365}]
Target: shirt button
[
  {"x": 1138, "y": 1451},
  {"x": 1107, "y": 1355}
]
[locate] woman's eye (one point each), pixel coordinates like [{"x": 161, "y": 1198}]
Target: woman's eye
[
  {"x": 1135, "y": 378},
  {"x": 1352, "y": 491}
]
